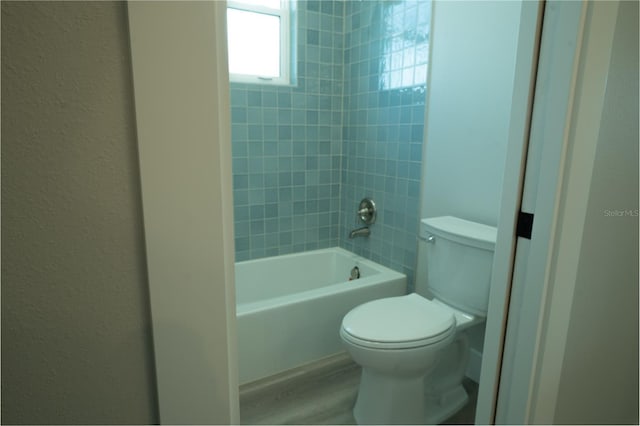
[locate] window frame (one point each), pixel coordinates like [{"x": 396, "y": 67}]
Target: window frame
[{"x": 284, "y": 14}]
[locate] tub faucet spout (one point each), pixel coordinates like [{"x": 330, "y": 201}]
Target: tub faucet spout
[{"x": 360, "y": 232}]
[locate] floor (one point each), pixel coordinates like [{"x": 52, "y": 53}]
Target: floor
[{"x": 321, "y": 395}]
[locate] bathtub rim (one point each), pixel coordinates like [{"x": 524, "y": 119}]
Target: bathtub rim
[{"x": 384, "y": 274}]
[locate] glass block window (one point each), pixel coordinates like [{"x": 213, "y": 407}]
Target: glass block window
[
  {"x": 259, "y": 41},
  {"x": 406, "y": 46}
]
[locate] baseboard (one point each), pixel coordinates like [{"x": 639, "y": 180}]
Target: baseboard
[
  {"x": 475, "y": 363},
  {"x": 300, "y": 373}
]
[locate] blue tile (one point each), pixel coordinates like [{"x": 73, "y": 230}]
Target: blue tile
[
  {"x": 256, "y": 164},
  {"x": 284, "y": 151},
  {"x": 284, "y": 179},
  {"x": 284, "y": 133},
  {"x": 271, "y": 211},
  {"x": 415, "y": 170},
  {"x": 269, "y": 99},
  {"x": 255, "y": 149},
  {"x": 271, "y": 226},
  {"x": 271, "y": 180},
  {"x": 239, "y": 115},
  {"x": 241, "y": 228},
  {"x": 304, "y": 156},
  {"x": 284, "y": 100},
  {"x": 298, "y": 178},
  {"x": 270, "y": 148},
  {"x": 416, "y": 152},
  {"x": 284, "y": 163},
  {"x": 417, "y": 131},
  {"x": 256, "y": 196},
  {"x": 257, "y": 227},
  {"x": 285, "y": 209},
  {"x": 256, "y": 212},
  {"x": 254, "y": 115},
  {"x": 254, "y": 98},
  {"x": 285, "y": 194},
  {"x": 414, "y": 189},
  {"x": 240, "y": 166},
  {"x": 327, "y": 6},
  {"x": 299, "y": 193},
  {"x": 299, "y": 208},
  {"x": 313, "y": 5},
  {"x": 241, "y": 213},
  {"x": 272, "y": 240},
  {"x": 242, "y": 243},
  {"x": 242, "y": 255},
  {"x": 240, "y": 181},
  {"x": 313, "y": 37},
  {"x": 270, "y": 196},
  {"x": 240, "y": 197},
  {"x": 285, "y": 238},
  {"x": 255, "y": 132}
]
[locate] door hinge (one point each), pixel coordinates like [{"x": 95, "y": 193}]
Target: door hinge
[{"x": 525, "y": 225}]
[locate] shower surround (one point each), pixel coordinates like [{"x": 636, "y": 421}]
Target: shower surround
[{"x": 350, "y": 126}]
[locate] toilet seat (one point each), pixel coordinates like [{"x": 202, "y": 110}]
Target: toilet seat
[{"x": 403, "y": 322}]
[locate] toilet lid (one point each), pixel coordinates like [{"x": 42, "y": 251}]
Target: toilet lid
[{"x": 405, "y": 321}]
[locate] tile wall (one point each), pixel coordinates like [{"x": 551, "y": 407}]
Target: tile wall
[
  {"x": 386, "y": 55},
  {"x": 287, "y": 145},
  {"x": 304, "y": 156}
]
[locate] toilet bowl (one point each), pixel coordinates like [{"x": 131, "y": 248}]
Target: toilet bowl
[
  {"x": 399, "y": 341},
  {"x": 414, "y": 350}
]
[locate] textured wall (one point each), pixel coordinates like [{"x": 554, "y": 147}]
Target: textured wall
[
  {"x": 599, "y": 377},
  {"x": 76, "y": 342},
  {"x": 287, "y": 145}
]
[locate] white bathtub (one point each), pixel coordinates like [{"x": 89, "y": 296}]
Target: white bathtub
[{"x": 290, "y": 307}]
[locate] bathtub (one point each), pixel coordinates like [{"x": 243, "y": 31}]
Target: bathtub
[{"x": 290, "y": 307}]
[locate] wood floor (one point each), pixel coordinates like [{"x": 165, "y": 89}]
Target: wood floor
[{"x": 321, "y": 394}]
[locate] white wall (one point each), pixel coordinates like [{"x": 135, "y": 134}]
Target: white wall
[
  {"x": 599, "y": 377},
  {"x": 469, "y": 101},
  {"x": 473, "y": 54}
]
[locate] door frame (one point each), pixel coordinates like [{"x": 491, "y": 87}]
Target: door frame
[
  {"x": 523, "y": 382},
  {"x": 181, "y": 90},
  {"x": 210, "y": 268},
  {"x": 531, "y": 19}
]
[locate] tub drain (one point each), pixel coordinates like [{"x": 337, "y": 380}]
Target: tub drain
[{"x": 355, "y": 273}]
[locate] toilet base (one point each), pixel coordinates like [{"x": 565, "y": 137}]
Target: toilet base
[
  {"x": 440, "y": 408},
  {"x": 390, "y": 400},
  {"x": 386, "y": 400}
]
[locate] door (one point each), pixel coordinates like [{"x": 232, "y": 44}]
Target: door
[{"x": 531, "y": 318}]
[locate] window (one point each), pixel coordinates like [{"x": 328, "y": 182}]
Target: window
[
  {"x": 258, "y": 33},
  {"x": 406, "y": 54}
]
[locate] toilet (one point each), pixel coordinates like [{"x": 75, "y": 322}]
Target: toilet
[{"x": 413, "y": 349}]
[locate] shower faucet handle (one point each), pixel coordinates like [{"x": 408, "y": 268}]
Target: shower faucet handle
[{"x": 367, "y": 211}]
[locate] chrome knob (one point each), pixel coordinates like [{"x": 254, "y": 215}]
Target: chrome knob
[{"x": 367, "y": 211}]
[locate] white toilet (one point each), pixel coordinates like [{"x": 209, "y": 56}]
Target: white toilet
[{"x": 413, "y": 349}]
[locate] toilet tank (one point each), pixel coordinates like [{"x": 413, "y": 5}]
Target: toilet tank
[{"x": 455, "y": 257}]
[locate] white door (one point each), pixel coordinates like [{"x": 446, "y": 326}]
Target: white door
[
  {"x": 530, "y": 317},
  {"x": 519, "y": 304}
]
